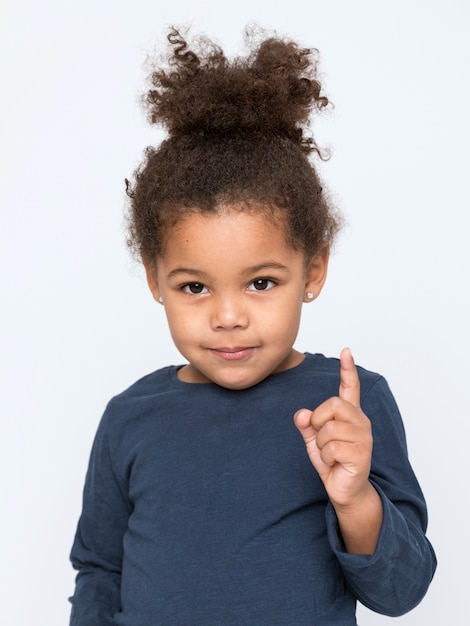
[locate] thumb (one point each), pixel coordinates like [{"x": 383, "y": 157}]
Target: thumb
[
  {"x": 349, "y": 388},
  {"x": 302, "y": 419}
]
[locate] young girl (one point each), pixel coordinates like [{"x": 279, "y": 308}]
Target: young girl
[{"x": 255, "y": 484}]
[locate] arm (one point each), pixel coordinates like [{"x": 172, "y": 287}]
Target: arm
[
  {"x": 338, "y": 436},
  {"x": 97, "y": 549},
  {"x": 377, "y": 515}
]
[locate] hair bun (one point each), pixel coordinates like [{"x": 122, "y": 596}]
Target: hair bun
[{"x": 271, "y": 91}]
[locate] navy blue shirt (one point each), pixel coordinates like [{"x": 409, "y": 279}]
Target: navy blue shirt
[{"x": 202, "y": 507}]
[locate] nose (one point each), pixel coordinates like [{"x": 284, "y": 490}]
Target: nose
[{"x": 229, "y": 312}]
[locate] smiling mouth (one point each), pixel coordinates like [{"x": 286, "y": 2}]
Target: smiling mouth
[{"x": 233, "y": 354}]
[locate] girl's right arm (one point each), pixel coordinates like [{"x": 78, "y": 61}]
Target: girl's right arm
[{"x": 97, "y": 551}]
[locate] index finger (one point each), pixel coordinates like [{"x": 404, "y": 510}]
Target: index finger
[{"x": 349, "y": 388}]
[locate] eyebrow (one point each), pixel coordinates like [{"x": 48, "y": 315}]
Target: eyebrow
[
  {"x": 269, "y": 265},
  {"x": 254, "y": 269},
  {"x": 186, "y": 270}
]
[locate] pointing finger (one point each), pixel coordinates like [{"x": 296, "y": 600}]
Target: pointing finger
[{"x": 349, "y": 388}]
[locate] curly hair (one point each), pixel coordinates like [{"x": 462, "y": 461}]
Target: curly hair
[{"x": 237, "y": 135}]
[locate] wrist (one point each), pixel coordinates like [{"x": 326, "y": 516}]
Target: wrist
[
  {"x": 357, "y": 503},
  {"x": 360, "y": 521}
]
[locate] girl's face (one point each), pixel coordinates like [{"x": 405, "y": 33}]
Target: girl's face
[{"x": 233, "y": 289}]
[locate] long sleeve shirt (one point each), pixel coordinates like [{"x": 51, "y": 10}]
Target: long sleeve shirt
[{"x": 201, "y": 507}]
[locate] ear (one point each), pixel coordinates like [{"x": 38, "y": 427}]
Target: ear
[
  {"x": 315, "y": 275},
  {"x": 152, "y": 279}
]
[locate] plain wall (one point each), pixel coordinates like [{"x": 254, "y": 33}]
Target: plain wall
[{"x": 78, "y": 323}]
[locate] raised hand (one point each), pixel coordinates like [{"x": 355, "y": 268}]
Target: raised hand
[{"x": 338, "y": 438}]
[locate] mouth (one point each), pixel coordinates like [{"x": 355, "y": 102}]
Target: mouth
[{"x": 233, "y": 354}]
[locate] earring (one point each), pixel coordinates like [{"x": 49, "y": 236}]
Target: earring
[
  {"x": 160, "y": 299},
  {"x": 310, "y": 295}
]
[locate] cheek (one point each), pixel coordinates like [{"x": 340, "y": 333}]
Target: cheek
[
  {"x": 182, "y": 324},
  {"x": 282, "y": 319}
]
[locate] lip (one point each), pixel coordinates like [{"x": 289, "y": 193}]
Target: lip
[{"x": 233, "y": 354}]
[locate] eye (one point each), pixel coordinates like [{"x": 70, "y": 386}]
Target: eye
[
  {"x": 261, "y": 284},
  {"x": 194, "y": 288}
]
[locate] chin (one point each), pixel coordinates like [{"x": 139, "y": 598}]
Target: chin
[{"x": 237, "y": 383}]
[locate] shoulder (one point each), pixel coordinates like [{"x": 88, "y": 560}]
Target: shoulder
[
  {"x": 152, "y": 390},
  {"x": 154, "y": 383},
  {"x": 377, "y": 399},
  {"x": 328, "y": 369}
]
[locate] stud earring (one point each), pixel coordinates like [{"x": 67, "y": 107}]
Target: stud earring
[
  {"x": 310, "y": 295},
  {"x": 160, "y": 299}
]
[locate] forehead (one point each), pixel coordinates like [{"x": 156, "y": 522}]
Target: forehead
[{"x": 231, "y": 234}]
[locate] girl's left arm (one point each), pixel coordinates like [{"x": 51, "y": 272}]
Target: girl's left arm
[
  {"x": 395, "y": 578},
  {"x": 377, "y": 515}
]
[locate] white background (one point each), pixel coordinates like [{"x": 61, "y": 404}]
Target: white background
[{"x": 78, "y": 324}]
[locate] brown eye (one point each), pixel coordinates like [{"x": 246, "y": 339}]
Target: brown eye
[
  {"x": 194, "y": 288},
  {"x": 262, "y": 284}
]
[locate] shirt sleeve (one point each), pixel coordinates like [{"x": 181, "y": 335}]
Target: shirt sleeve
[
  {"x": 97, "y": 550},
  {"x": 396, "y": 577}
]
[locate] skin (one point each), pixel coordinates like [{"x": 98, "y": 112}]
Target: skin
[
  {"x": 338, "y": 438},
  {"x": 233, "y": 290}
]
